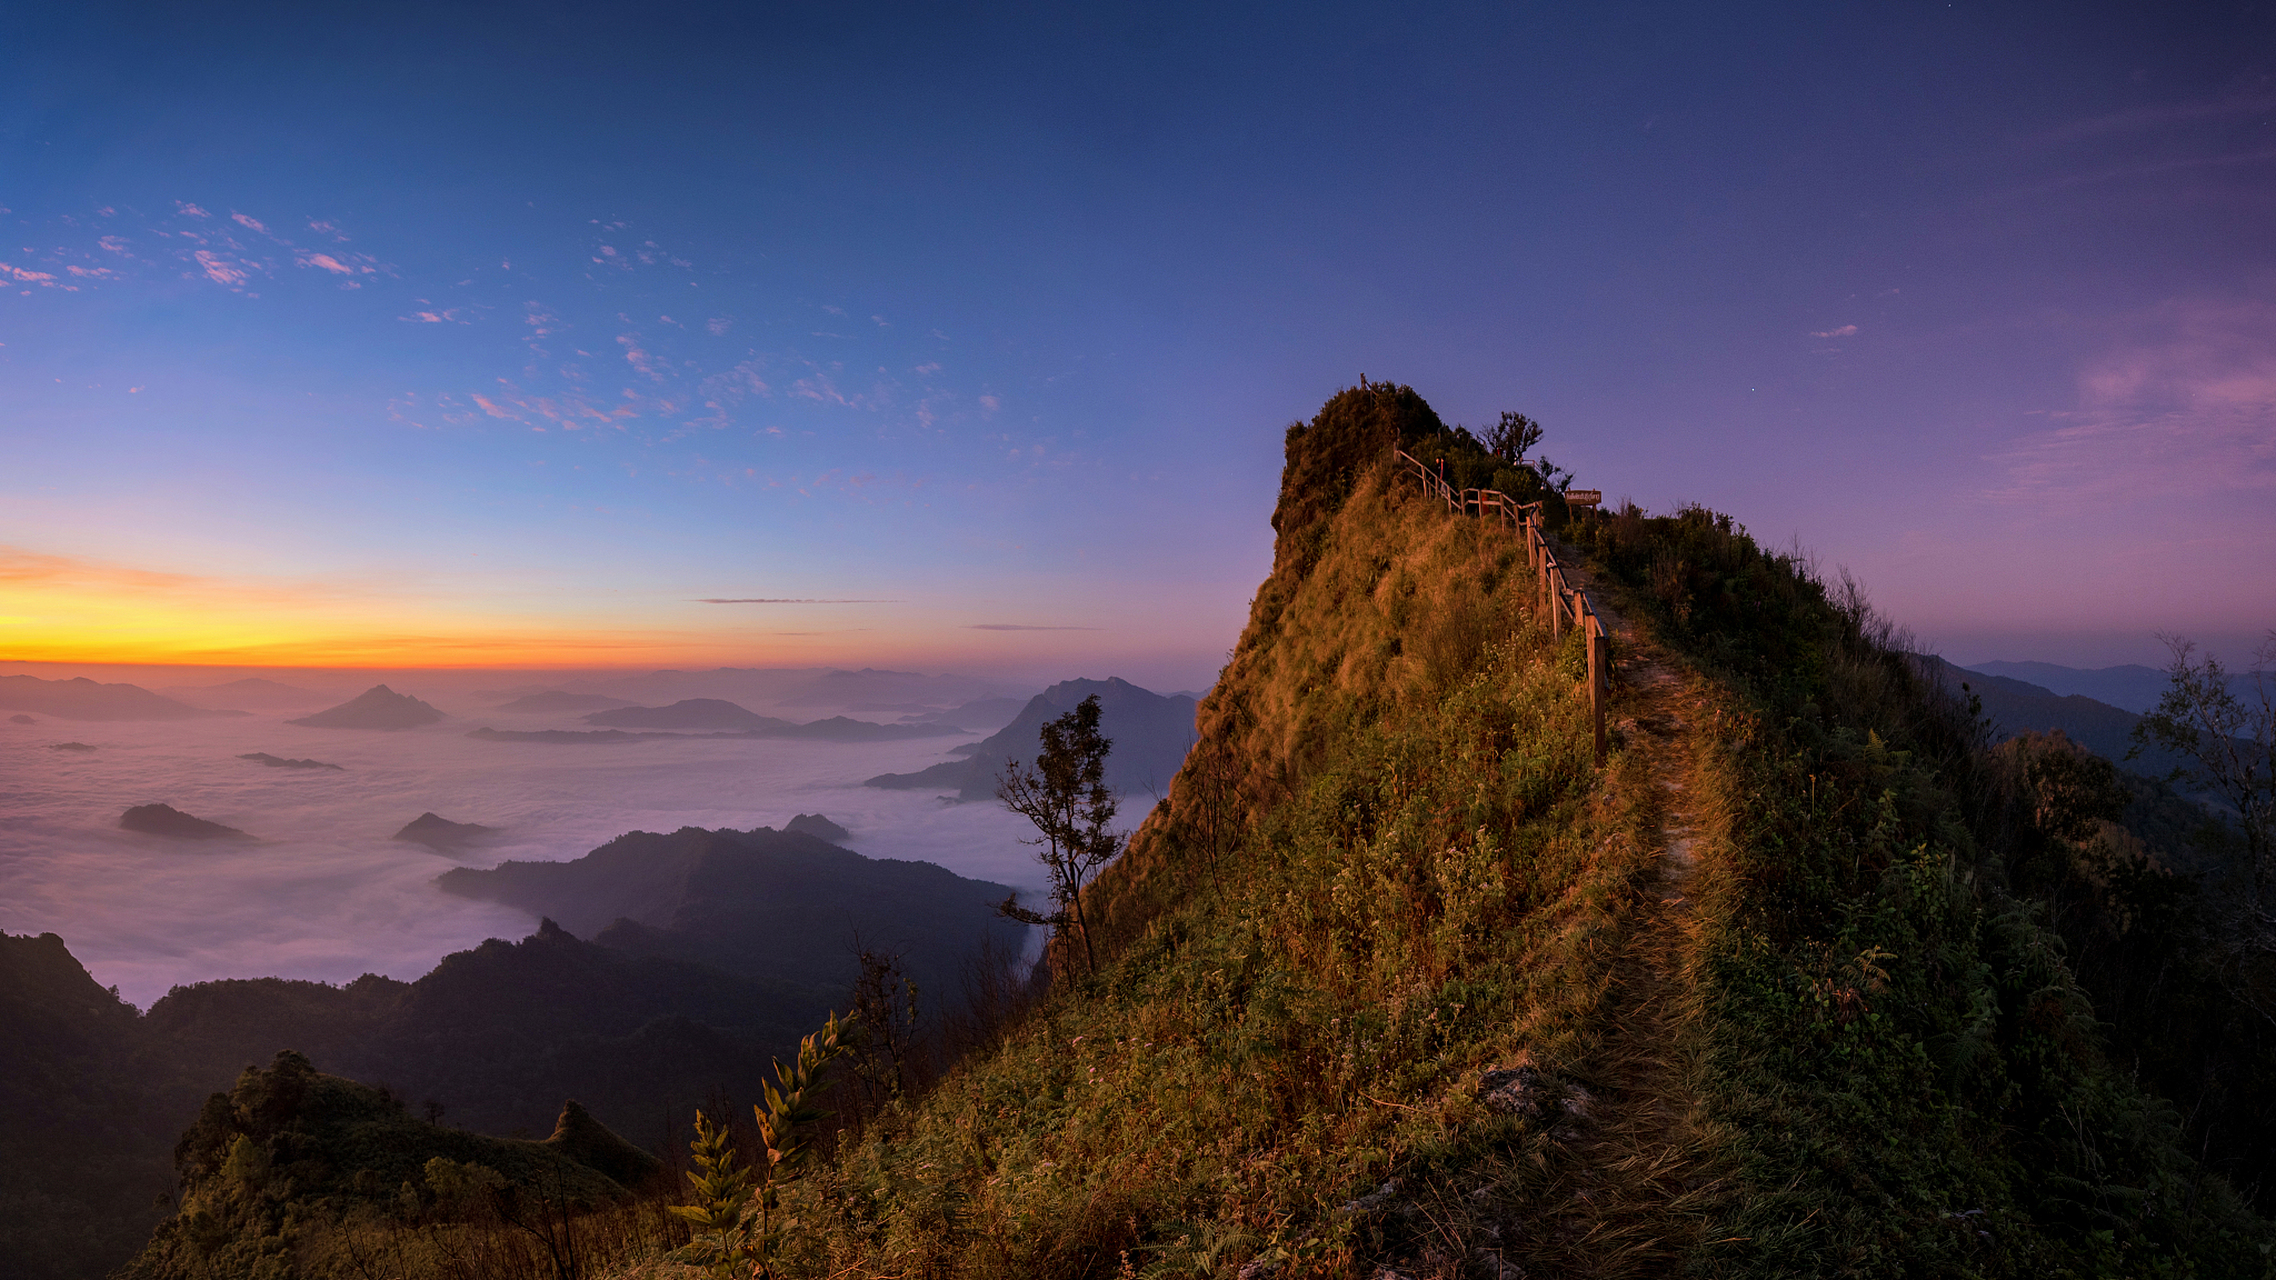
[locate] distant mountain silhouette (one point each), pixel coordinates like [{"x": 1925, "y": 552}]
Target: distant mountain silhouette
[
  {"x": 69, "y": 746},
  {"x": 21, "y": 719},
  {"x": 278, "y": 762},
  {"x": 2014, "y": 706},
  {"x": 573, "y": 737},
  {"x": 688, "y": 713},
  {"x": 558, "y": 702},
  {"x": 847, "y": 729},
  {"x": 715, "y": 718},
  {"x": 442, "y": 835},
  {"x": 166, "y": 820},
  {"x": 981, "y": 715},
  {"x": 502, "y": 1033},
  {"x": 2132, "y": 687},
  {"x": 83, "y": 699},
  {"x": 819, "y": 827},
  {"x": 759, "y": 902},
  {"x": 1151, "y": 734},
  {"x": 251, "y": 694},
  {"x": 378, "y": 707},
  {"x": 839, "y": 688}
]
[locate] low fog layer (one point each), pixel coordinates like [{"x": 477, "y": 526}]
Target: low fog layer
[{"x": 324, "y": 892}]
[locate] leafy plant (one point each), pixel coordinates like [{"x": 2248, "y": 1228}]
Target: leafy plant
[{"x": 740, "y": 1228}]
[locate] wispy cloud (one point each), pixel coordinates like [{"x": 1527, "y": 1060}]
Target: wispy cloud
[
  {"x": 637, "y": 356},
  {"x": 25, "y": 275},
  {"x": 222, "y": 271},
  {"x": 2186, "y": 405},
  {"x": 2165, "y": 115},
  {"x": 1845, "y": 331}
]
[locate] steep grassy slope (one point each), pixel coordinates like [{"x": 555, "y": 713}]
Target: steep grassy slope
[
  {"x": 1401, "y": 978},
  {"x": 1910, "y": 1077},
  {"x": 1389, "y": 867}
]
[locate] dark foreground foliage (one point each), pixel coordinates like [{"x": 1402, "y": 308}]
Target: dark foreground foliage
[{"x": 294, "y": 1173}]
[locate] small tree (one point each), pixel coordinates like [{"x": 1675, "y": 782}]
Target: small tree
[
  {"x": 2230, "y": 742},
  {"x": 1065, "y": 795},
  {"x": 1512, "y": 438}
]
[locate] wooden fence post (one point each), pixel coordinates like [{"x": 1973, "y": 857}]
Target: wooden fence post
[{"x": 1599, "y": 657}]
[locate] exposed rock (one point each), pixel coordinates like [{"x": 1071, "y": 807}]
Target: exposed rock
[
  {"x": 1518, "y": 1091},
  {"x": 166, "y": 820},
  {"x": 1373, "y": 1202},
  {"x": 1491, "y": 1264}
]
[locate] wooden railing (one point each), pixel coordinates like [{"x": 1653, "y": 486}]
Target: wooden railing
[
  {"x": 1506, "y": 511},
  {"x": 1564, "y": 603}
]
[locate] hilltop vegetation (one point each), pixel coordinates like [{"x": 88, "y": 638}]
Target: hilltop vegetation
[
  {"x": 297, "y": 1173},
  {"x": 1366, "y": 996},
  {"x": 1400, "y": 980}
]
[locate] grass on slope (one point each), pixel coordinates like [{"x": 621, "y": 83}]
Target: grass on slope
[
  {"x": 1425, "y": 881},
  {"x": 1912, "y": 1079}
]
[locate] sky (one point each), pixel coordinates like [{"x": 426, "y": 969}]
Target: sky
[{"x": 964, "y": 337}]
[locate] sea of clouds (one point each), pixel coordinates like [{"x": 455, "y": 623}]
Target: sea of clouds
[{"x": 325, "y": 893}]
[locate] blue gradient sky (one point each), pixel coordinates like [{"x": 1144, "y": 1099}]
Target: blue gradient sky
[{"x": 401, "y": 336}]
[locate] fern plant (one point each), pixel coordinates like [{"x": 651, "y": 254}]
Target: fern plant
[{"x": 1204, "y": 1250}]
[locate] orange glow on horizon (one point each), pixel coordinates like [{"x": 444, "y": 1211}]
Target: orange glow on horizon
[{"x": 59, "y": 610}]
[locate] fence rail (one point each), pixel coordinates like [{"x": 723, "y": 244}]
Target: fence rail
[{"x": 1564, "y": 603}]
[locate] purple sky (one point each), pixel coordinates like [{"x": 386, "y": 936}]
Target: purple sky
[{"x": 517, "y": 333}]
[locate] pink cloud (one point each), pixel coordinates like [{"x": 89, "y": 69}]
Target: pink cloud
[
  {"x": 20, "y": 274},
  {"x": 192, "y": 210},
  {"x": 220, "y": 271},
  {"x": 1845, "y": 331},
  {"x": 638, "y": 357},
  {"x": 2186, "y": 407},
  {"x": 116, "y": 244},
  {"x": 327, "y": 262},
  {"x": 253, "y": 223}
]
